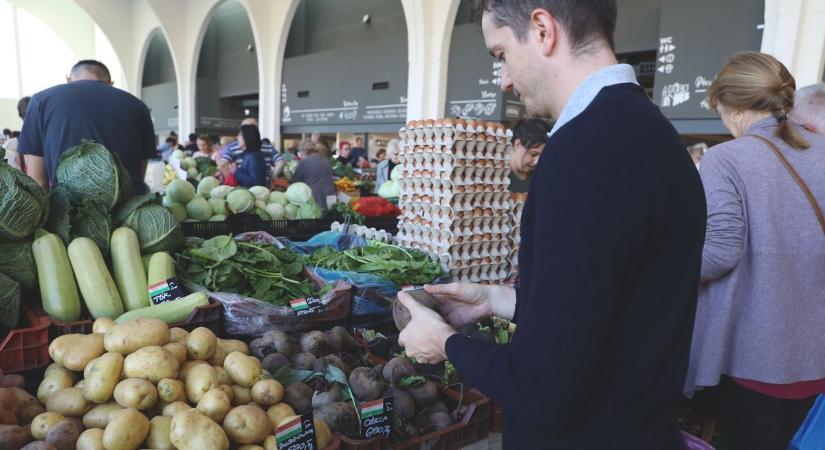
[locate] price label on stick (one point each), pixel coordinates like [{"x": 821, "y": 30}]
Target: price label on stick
[
  {"x": 165, "y": 291},
  {"x": 298, "y": 434},
  {"x": 307, "y": 307},
  {"x": 376, "y": 418}
]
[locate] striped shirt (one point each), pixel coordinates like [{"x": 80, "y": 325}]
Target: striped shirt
[{"x": 234, "y": 154}]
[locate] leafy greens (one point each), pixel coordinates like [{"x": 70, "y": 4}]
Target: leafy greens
[
  {"x": 401, "y": 266},
  {"x": 23, "y": 203}
]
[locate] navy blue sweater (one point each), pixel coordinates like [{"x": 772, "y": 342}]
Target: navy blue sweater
[
  {"x": 611, "y": 248},
  {"x": 252, "y": 171}
]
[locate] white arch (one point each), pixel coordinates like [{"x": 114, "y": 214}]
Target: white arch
[{"x": 795, "y": 34}]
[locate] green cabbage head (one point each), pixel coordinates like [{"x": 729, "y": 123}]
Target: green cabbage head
[
  {"x": 221, "y": 192},
  {"x": 389, "y": 189},
  {"x": 299, "y": 193},
  {"x": 240, "y": 201},
  {"x": 23, "y": 204},
  {"x": 207, "y": 185},
  {"x": 178, "y": 210},
  {"x": 180, "y": 191},
  {"x": 91, "y": 172},
  {"x": 218, "y": 206},
  {"x": 310, "y": 211},
  {"x": 157, "y": 228},
  {"x": 261, "y": 193},
  {"x": 275, "y": 211},
  {"x": 278, "y": 197},
  {"x": 290, "y": 212},
  {"x": 199, "y": 209}
]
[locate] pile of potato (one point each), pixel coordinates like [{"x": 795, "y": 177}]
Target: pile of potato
[{"x": 141, "y": 385}]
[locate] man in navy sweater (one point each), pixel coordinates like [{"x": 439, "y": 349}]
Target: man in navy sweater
[{"x": 611, "y": 248}]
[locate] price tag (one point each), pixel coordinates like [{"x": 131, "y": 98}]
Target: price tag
[
  {"x": 175, "y": 163},
  {"x": 376, "y": 418},
  {"x": 298, "y": 434},
  {"x": 414, "y": 287},
  {"x": 165, "y": 291},
  {"x": 307, "y": 307}
]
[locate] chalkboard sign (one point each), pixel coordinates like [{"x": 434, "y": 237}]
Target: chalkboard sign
[
  {"x": 695, "y": 40},
  {"x": 298, "y": 434},
  {"x": 376, "y": 418},
  {"x": 307, "y": 307},
  {"x": 165, "y": 291}
]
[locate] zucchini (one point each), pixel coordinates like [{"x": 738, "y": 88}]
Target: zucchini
[
  {"x": 145, "y": 259},
  {"x": 58, "y": 289},
  {"x": 128, "y": 267},
  {"x": 96, "y": 284},
  {"x": 161, "y": 268},
  {"x": 169, "y": 312}
]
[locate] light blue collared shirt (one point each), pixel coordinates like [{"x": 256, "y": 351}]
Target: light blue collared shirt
[{"x": 590, "y": 88}]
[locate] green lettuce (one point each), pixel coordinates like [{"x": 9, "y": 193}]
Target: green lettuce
[
  {"x": 24, "y": 205},
  {"x": 91, "y": 172}
]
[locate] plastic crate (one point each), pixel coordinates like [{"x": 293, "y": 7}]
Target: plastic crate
[
  {"x": 356, "y": 444},
  {"x": 292, "y": 229},
  {"x": 496, "y": 419},
  {"x": 474, "y": 426},
  {"x": 27, "y": 347},
  {"x": 335, "y": 444},
  {"x": 209, "y": 316},
  {"x": 61, "y": 327}
]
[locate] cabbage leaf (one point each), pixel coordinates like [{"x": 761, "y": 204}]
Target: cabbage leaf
[
  {"x": 158, "y": 230},
  {"x": 89, "y": 220},
  {"x": 9, "y": 302},
  {"x": 91, "y": 172},
  {"x": 24, "y": 205},
  {"x": 17, "y": 262}
]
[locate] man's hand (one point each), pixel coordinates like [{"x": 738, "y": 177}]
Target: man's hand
[
  {"x": 425, "y": 337},
  {"x": 462, "y": 303}
]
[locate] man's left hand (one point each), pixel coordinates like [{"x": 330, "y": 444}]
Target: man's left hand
[{"x": 425, "y": 337}]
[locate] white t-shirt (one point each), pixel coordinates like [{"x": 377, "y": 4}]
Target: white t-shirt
[{"x": 11, "y": 153}]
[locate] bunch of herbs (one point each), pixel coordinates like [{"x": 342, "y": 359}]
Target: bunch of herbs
[{"x": 401, "y": 266}]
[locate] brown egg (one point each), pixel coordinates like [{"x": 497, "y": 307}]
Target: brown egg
[
  {"x": 429, "y": 123},
  {"x": 411, "y": 124},
  {"x": 448, "y": 122}
]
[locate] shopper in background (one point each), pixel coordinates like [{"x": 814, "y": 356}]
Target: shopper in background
[
  {"x": 316, "y": 171},
  {"x": 384, "y": 170},
  {"x": 379, "y": 156},
  {"x": 610, "y": 252},
  {"x": 761, "y": 314},
  {"x": 252, "y": 170},
  {"x": 87, "y": 107},
  {"x": 529, "y": 138},
  {"x": 359, "y": 152},
  {"x": 344, "y": 155},
  {"x": 204, "y": 147},
  {"x": 12, "y": 157},
  {"x": 169, "y": 145},
  {"x": 191, "y": 145},
  {"x": 274, "y": 160},
  {"x": 809, "y": 110}
]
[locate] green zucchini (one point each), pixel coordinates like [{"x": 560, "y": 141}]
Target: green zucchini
[
  {"x": 128, "y": 267},
  {"x": 145, "y": 259},
  {"x": 169, "y": 312},
  {"x": 58, "y": 289},
  {"x": 161, "y": 268},
  {"x": 96, "y": 284}
]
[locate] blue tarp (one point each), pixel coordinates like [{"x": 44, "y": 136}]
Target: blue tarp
[{"x": 811, "y": 435}]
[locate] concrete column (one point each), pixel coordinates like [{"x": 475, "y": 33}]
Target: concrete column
[
  {"x": 795, "y": 34},
  {"x": 429, "y": 34},
  {"x": 271, "y": 20}
]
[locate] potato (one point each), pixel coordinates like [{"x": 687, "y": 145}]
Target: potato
[
  {"x": 55, "y": 368},
  {"x": 215, "y": 404},
  {"x": 187, "y": 366},
  {"x": 267, "y": 392},
  {"x": 57, "y": 381},
  {"x": 128, "y": 337},
  {"x": 159, "y": 429},
  {"x": 13, "y": 381},
  {"x": 243, "y": 370},
  {"x": 200, "y": 380},
  {"x": 194, "y": 431},
  {"x": 136, "y": 393},
  {"x": 222, "y": 376},
  {"x": 126, "y": 430},
  {"x": 171, "y": 390},
  {"x": 68, "y": 402},
  {"x": 27, "y": 406},
  {"x": 103, "y": 325},
  {"x": 98, "y": 416},
  {"x": 201, "y": 344},
  {"x": 178, "y": 335},
  {"x": 250, "y": 447},
  {"x": 43, "y": 423},
  {"x": 179, "y": 350},
  {"x": 101, "y": 376},
  {"x": 14, "y": 436},
  {"x": 247, "y": 425},
  {"x": 91, "y": 439},
  {"x": 233, "y": 345},
  {"x": 74, "y": 351},
  {"x": 63, "y": 435},
  {"x": 80, "y": 384},
  {"x": 323, "y": 434},
  {"x": 279, "y": 412},
  {"x": 39, "y": 445},
  {"x": 175, "y": 407},
  {"x": 151, "y": 363},
  {"x": 218, "y": 358},
  {"x": 242, "y": 395}
]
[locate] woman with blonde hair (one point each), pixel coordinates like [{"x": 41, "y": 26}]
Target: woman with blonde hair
[
  {"x": 760, "y": 322},
  {"x": 384, "y": 169}
]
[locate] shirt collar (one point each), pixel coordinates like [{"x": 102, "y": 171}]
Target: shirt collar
[{"x": 590, "y": 88}]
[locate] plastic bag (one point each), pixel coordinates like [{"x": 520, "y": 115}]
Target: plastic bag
[
  {"x": 245, "y": 316},
  {"x": 372, "y": 296},
  {"x": 811, "y": 435},
  {"x": 336, "y": 240}
]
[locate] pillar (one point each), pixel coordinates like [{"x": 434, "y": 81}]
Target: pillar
[{"x": 795, "y": 34}]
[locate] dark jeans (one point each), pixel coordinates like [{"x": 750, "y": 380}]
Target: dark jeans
[{"x": 753, "y": 421}]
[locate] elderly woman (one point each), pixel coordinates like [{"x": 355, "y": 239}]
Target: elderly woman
[
  {"x": 761, "y": 311},
  {"x": 384, "y": 171},
  {"x": 316, "y": 171}
]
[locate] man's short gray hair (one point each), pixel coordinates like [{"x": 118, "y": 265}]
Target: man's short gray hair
[{"x": 809, "y": 108}]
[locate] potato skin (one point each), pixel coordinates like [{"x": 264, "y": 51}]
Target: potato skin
[
  {"x": 243, "y": 370},
  {"x": 74, "y": 351},
  {"x": 159, "y": 430},
  {"x": 215, "y": 404},
  {"x": 14, "y": 436},
  {"x": 63, "y": 435},
  {"x": 151, "y": 363},
  {"x": 91, "y": 439},
  {"x": 56, "y": 381},
  {"x": 128, "y": 337},
  {"x": 101, "y": 376},
  {"x": 68, "y": 402},
  {"x": 177, "y": 334},
  {"x": 247, "y": 425},
  {"x": 201, "y": 344},
  {"x": 242, "y": 395},
  {"x": 127, "y": 429},
  {"x": 41, "y": 424},
  {"x": 103, "y": 325},
  {"x": 186, "y": 367},
  {"x": 136, "y": 393},
  {"x": 199, "y": 381},
  {"x": 279, "y": 412},
  {"x": 174, "y": 408},
  {"x": 98, "y": 416},
  {"x": 194, "y": 431},
  {"x": 179, "y": 350},
  {"x": 233, "y": 345},
  {"x": 267, "y": 392},
  {"x": 171, "y": 390}
]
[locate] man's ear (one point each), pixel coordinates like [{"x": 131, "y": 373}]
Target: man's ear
[{"x": 545, "y": 28}]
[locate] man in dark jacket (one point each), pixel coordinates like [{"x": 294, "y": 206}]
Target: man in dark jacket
[{"x": 611, "y": 247}]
